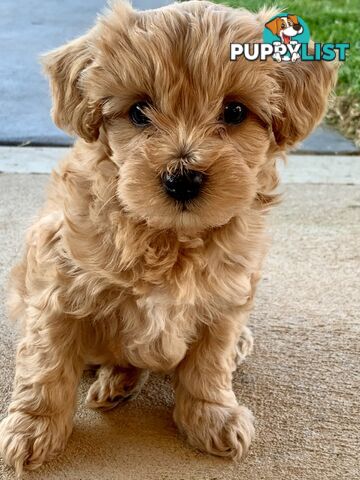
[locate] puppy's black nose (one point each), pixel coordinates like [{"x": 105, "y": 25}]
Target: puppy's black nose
[
  {"x": 183, "y": 186},
  {"x": 297, "y": 27}
]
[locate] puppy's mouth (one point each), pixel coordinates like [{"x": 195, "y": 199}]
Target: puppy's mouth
[
  {"x": 184, "y": 206},
  {"x": 286, "y": 38}
]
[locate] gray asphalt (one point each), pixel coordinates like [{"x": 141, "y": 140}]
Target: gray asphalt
[
  {"x": 27, "y": 29},
  {"x": 31, "y": 27}
]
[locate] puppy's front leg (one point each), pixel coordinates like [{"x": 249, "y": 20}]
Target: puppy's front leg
[
  {"x": 48, "y": 368},
  {"x": 206, "y": 408}
]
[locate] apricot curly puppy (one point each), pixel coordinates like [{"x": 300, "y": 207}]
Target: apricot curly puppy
[{"x": 148, "y": 251}]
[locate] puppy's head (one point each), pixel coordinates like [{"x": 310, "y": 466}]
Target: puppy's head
[
  {"x": 285, "y": 27},
  {"x": 193, "y": 135}
]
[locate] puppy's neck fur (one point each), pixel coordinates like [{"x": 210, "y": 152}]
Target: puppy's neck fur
[{"x": 101, "y": 238}]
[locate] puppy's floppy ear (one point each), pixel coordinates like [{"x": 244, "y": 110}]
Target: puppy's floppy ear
[
  {"x": 304, "y": 90},
  {"x": 273, "y": 26},
  {"x": 72, "y": 110}
]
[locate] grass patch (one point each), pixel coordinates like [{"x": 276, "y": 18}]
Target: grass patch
[{"x": 333, "y": 21}]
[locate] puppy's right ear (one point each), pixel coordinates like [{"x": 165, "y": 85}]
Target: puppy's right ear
[{"x": 72, "y": 110}]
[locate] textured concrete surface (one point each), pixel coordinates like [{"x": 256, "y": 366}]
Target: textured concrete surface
[
  {"x": 29, "y": 28},
  {"x": 302, "y": 382}
]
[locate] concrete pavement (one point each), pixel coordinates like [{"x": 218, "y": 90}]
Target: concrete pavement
[{"x": 302, "y": 382}]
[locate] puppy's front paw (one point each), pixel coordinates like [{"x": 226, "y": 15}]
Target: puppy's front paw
[
  {"x": 220, "y": 430},
  {"x": 27, "y": 441}
]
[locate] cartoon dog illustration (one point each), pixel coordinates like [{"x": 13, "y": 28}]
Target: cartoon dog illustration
[{"x": 285, "y": 28}]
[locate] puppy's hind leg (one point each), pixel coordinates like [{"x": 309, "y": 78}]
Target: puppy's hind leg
[
  {"x": 114, "y": 385},
  {"x": 244, "y": 346}
]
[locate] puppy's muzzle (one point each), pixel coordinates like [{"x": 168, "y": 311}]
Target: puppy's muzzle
[{"x": 183, "y": 186}]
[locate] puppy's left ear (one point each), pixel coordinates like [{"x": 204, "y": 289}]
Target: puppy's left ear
[
  {"x": 72, "y": 110},
  {"x": 305, "y": 87}
]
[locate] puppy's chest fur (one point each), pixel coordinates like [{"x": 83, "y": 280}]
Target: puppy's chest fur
[
  {"x": 152, "y": 300},
  {"x": 170, "y": 310},
  {"x": 153, "y": 295}
]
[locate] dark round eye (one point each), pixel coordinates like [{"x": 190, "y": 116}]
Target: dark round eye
[
  {"x": 234, "y": 113},
  {"x": 137, "y": 115}
]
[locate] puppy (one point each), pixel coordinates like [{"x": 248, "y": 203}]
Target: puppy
[
  {"x": 148, "y": 250},
  {"x": 285, "y": 27}
]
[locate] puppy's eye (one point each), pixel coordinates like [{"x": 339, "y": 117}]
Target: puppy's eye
[
  {"x": 137, "y": 115},
  {"x": 234, "y": 113}
]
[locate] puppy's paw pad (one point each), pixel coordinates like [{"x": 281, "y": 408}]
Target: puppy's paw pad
[
  {"x": 244, "y": 346},
  {"x": 27, "y": 441}
]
